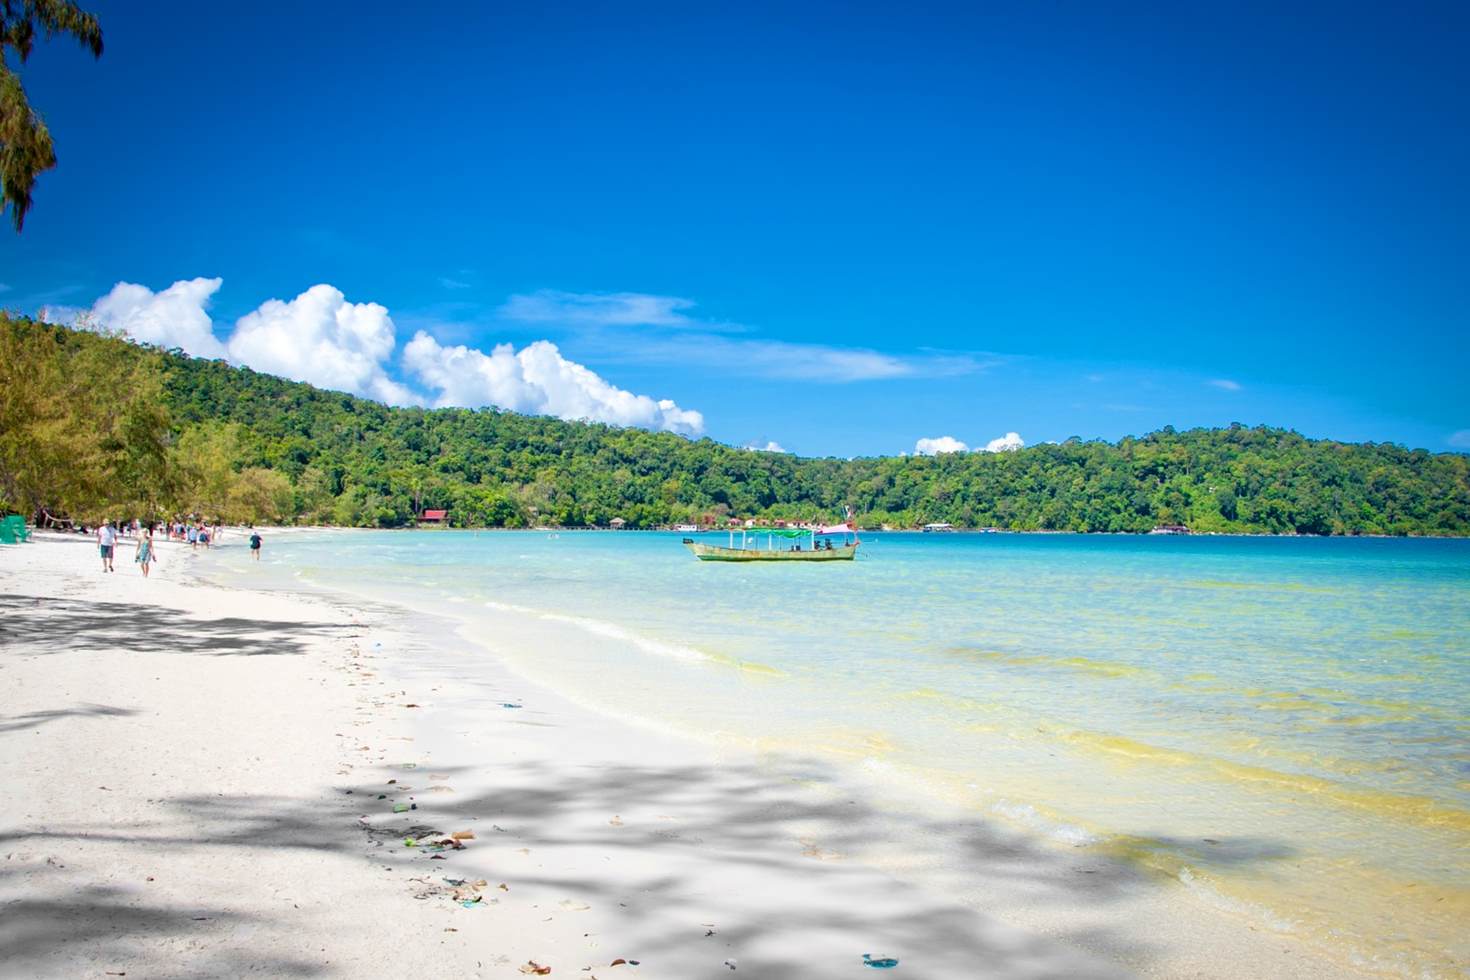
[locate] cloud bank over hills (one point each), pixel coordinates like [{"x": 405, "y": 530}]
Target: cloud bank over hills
[{"x": 322, "y": 338}]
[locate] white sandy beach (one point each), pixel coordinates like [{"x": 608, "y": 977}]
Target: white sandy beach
[{"x": 193, "y": 777}]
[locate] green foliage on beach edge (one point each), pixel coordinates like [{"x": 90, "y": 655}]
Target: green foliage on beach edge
[{"x": 156, "y": 432}]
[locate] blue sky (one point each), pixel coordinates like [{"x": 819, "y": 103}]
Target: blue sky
[{"x": 836, "y": 228}]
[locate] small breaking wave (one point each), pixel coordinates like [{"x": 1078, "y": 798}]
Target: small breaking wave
[{"x": 612, "y": 631}]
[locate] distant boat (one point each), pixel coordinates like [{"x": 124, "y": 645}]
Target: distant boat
[
  {"x": 687, "y": 528},
  {"x": 939, "y": 528},
  {"x": 811, "y": 544}
]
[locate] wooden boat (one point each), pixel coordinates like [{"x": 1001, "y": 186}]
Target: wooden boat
[
  {"x": 811, "y": 544},
  {"x": 714, "y": 552}
]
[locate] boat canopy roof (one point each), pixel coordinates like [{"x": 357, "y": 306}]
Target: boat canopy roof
[{"x": 798, "y": 532}]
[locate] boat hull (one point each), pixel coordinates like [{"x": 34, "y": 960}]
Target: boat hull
[{"x": 710, "y": 552}]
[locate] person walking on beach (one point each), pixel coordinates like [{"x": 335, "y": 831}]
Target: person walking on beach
[
  {"x": 106, "y": 542},
  {"x": 145, "y": 556},
  {"x": 255, "y": 545},
  {"x": 193, "y": 535}
]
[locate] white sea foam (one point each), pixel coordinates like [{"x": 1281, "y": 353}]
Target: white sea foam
[
  {"x": 511, "y": 607},
  {"x": 614, "y": 632},
  {"x": 611, "y": 631},
  {"x": 1034, "y": 820}
]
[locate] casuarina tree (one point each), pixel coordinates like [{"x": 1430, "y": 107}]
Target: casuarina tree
[{"x": 25, "y": 142}]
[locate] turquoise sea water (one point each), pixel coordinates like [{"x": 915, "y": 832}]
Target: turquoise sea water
[{"x": 1281, "y": 724}]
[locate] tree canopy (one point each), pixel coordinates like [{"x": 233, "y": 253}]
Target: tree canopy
[
  {"x": 26, "y": 149},
  {"x": 244, "y": 446}
]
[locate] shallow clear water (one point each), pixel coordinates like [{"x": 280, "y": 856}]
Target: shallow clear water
[{"x": 1280, "y": 723}]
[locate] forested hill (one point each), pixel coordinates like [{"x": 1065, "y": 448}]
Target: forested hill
[{"x": 245, "y": 446}]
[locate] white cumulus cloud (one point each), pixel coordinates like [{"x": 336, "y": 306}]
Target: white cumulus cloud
[
  {"x": 940, "y": 444},
  {"x": 949, "y": 444},
  {"x": 1006, "y": 443},
  {"x": 321, "y": 338},
  {"x": 173, "y": 317},
  {"x": 771, "y": 446},
  {"x": 539, "y": 380}
]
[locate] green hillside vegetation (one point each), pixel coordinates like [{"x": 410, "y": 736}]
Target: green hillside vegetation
[{"x": 92, "y": 426}]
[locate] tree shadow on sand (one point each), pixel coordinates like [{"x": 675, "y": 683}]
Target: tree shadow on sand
[
  {"x": 725, "y": 827},
  {"x": 110, "y": 923},
  {"x": 52, "y": 626},
  {"x": 32, "y": 720},
  {"x": 731, "y": 821}
]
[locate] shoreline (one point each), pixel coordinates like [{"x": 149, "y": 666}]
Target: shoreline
[
  {"x": 613, "y": 842},
  {"x": 333, "y": 529}
]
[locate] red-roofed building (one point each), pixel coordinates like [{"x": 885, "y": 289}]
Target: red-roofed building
[{"x": 434, "y": 517}]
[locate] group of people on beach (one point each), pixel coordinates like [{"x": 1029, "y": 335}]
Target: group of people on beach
[
  {"x": 196, "y": 535},
  {"x": 145, "y": 554}
]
